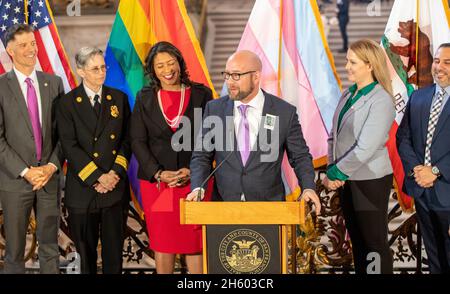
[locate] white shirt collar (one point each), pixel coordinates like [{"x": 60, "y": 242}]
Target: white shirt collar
[
  {"x": 21, "y": 77},
  {"x": 257, "y": 102},
  {"x": 439, "y": 88},
  {"x": 91, "y": 94}
]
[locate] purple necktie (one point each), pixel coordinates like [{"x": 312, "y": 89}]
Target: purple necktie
[
  {"x": 33, "y": 112},
  {"x": 244, "y": 134}
]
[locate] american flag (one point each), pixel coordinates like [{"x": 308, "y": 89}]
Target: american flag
[{"x": 51, "y": 56}]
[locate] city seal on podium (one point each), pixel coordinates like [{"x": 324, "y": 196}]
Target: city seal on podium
[{"x": 244, "y": 251}]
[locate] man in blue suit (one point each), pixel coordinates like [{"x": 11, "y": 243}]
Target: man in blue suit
[{"x": 423, "y": 141}]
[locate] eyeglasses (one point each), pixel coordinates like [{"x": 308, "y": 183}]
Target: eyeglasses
[
  {"x": 235, "y": 75},
  {"x": 102, "y": 68}
]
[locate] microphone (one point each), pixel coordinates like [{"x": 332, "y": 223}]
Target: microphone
[
  {"x": 230, "y": 133},
  {"x": 210, "y": 175}
]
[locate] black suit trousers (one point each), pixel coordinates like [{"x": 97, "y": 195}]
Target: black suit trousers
[
  {"x": 365, "y": 208},
  {"x": 86, "y": 227},
  {"x": 435, "y": 225}
]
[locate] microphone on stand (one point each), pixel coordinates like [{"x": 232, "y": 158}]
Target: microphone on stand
[
  {"x": 199, "y": 198},
  {"x": 210, "y": 175}
]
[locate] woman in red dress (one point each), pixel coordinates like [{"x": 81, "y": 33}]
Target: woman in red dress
[{"x": 163, "y": 169}]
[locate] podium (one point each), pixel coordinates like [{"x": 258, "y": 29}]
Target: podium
[{"x": 244, "y": 237}]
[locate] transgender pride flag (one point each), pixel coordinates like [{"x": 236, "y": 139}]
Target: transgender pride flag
[{"x": 297, "y": 66}]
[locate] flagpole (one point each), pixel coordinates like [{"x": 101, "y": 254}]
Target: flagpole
[
  {"x": 447, "y": 11},
  {"x": 25, "y": 3},
  {"x": 417, "y": 41},
  {"x": 153, "y": 38},
  {"x": 72, "y": 75}
]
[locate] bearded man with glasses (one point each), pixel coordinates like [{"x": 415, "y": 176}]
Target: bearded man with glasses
[{"x": 249, "y": 175}]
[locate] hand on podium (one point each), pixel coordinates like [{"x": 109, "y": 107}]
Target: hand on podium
[
  {"x": 310, "y": 195},
  {"x": 196, "y": 194}
]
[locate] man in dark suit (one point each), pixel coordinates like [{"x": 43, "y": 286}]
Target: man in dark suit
[
  {"x": 30, "y": 156},
  {"x": 93, "y": 128},
  {"x": 258, "y": 120},
  {"x": 423, "y": 141}
]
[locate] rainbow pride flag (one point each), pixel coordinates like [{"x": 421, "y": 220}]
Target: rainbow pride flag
[{"x": 138, "y": 25}]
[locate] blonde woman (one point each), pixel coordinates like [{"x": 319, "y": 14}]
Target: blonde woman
[{"x": 358, "y": 160}]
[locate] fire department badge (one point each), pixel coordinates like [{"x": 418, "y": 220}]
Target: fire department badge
[{"x": 114, "y": 111}]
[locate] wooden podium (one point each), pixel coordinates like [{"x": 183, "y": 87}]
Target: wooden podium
[{"x": 246, "y": 247}]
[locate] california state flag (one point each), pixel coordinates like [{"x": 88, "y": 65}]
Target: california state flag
[{"x": 414, "y": 31}]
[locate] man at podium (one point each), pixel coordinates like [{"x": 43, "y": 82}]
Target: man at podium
[{"x": 252, "y": 130}]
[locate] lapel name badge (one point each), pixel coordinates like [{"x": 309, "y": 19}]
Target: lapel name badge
[{"x": 269, "y": 122}]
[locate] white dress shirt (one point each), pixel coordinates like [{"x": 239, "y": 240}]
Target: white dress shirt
[
  {"x": 444, "y": 101},
  {"x": 254, "y": 116},
  {"x": 91, "y": 94},
  {"x": 24, "y": 88}
]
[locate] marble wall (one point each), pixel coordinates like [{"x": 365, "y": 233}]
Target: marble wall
[{"x": 79, "y": 31}]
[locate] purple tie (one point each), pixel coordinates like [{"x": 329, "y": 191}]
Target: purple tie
[
  {"x": 33, "y": 112},
  {"x": 244, "y": 134}
]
